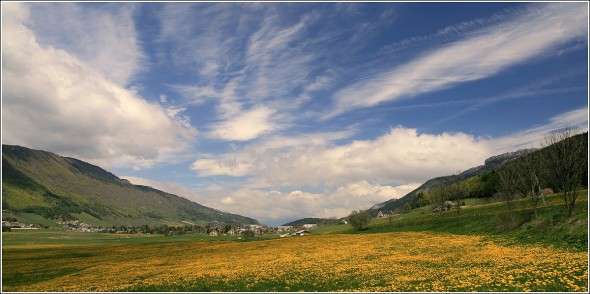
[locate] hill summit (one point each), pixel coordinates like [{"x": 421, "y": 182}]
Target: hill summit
[
  {"x": 56, "y": 187},
  {"x": 489, "y": 165}
]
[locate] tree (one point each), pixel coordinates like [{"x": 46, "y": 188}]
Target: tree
[
  {"x": 420, "y": 199},
  {"x": 458, "y": 189},
  {"x": 248, "y": 234},
  {"x": 508, "y": 186},
  {"x": 565, "y": 163},
  {"x": 439, "y": 197},
  {"x": 407, "y": 207},
  {"x": 359, "y": 219},
  {"x": 528, "y": 168}
]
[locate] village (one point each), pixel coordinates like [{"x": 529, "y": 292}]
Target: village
[{"x": 212, "y": 229}]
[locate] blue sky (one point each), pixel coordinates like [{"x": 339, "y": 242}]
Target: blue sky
[{"x": 280, "y": 111}]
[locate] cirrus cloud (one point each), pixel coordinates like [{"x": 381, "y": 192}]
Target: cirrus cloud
[
  {"x": 103, "y": 36},
  {"x": 484, "y": 53}
]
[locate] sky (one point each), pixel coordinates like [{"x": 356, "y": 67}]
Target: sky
[{"x": 280, "y": 111}]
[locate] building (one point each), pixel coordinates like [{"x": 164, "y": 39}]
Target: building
[
  {"x": 301, "y": 233},
  {"x": 384, "y": 214}
]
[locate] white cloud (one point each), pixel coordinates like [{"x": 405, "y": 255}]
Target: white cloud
[
  {"x": 256, "y": 65},
  {"x": 353, "y": 176},
  {"x": 275, "y": 207},
  {"x": 54, "y": 101},
  {"x": 103, "y": 36},
  {"x": 362, "y": 194},
  {"x": 532, "y": 137},
  {"x": 482, "y": 54},
  {"x": 230, "y": 167},
  {"x": 246, "y": 125},
  {"x": 163, "y": 98},
  {"x": 400, "y": 156}
]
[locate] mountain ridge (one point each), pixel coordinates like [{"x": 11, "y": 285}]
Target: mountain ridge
[
  {"x": 489, "y": 165},
  {"x": 56, "y": 187}
]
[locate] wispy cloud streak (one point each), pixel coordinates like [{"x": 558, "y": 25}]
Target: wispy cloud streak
[
  {"x": 103, "y": 36},
  {"x": 483, "y": 54}
]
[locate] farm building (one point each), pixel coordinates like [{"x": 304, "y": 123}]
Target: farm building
[
  {"x": 384, "y": 214},
  {"x": 301, "y": 233}
]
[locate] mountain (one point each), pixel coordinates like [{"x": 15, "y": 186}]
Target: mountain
[
  {"x": 312, "y": 220},
  {"x": 52, "y": 186},
  {"x": 489, "y": 165}
]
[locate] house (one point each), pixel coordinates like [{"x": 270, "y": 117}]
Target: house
[
  {"x": 301, "y": 233},
  {"x": 448, "y": 205},
  {"x": 384, "y": 214},
  {"x": 309, "y": 226},
  {"x": 214, "y": 233},
  {"x": 284, "y": 228}
]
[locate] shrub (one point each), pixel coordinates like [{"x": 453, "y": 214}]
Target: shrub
[{"x": 359, "y": 219}]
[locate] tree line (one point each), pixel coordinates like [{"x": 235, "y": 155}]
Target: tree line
[{"x": 561, "y": 164}]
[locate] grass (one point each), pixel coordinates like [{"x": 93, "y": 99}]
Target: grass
[
  {"x": 18, "y": 238},
  {"x": 482, "y": 249},
  {"x": 91, "y": 220},
  {"x": 32, "y": 218},
  {"x": 384, "y": 262},
  {"x": 490, "y": 219}
]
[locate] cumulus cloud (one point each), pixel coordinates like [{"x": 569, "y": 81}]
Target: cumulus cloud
[
  {"x": 403, "y": 155},
  {"x": 400, "y": 156},
  {"x": 242, "y": 161},
  {"x": 246, "y": 125},
  {"x": 483, "y": 54},
  {"x": 53, "y": 100},
  {"x": 349, "y": 176},
  {"x": 276, "y": 207},
  {"x": 227, "y": 166}
]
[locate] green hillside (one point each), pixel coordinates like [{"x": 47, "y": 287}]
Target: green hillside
[
  {"x": 51, "y": 186},
  {"x": 485, "y": 217},
  {"x": 481, "y": 181}
]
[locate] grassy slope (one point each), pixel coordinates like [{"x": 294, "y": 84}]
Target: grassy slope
[
  {"x": 37, "y": 181},
  {"x": 550, "y": 228}
]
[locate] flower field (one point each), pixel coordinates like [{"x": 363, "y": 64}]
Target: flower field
[{"x": 338, "y": 262}]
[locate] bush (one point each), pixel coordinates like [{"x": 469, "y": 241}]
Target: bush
[{"x": 359, "y": 219}]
